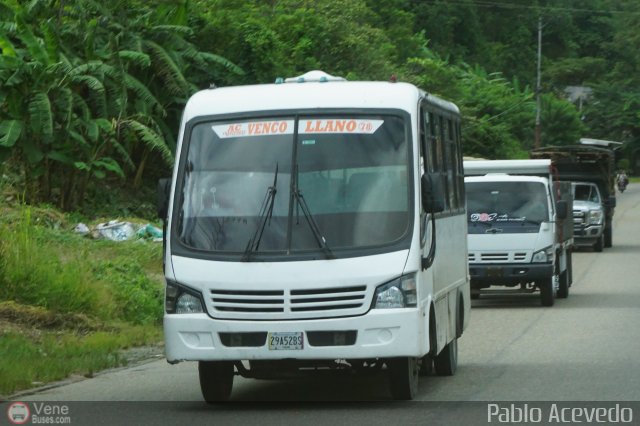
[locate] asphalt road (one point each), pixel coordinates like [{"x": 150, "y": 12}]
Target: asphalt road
[{"x": 585, "y": 348}]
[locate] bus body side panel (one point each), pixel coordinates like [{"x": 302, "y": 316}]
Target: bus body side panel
[{"x": 450, "y": 276}]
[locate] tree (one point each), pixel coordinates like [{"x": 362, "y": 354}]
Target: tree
[
  {"x": 93, "y": 90},
  {"x": 289, "y": 37}
]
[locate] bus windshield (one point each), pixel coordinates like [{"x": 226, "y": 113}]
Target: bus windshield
[
  {"x": 293, "y": 184},
  {"x": 509, "y": 205}
]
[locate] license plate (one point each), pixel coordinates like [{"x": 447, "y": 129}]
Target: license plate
[{"x": 285, "y": 341}]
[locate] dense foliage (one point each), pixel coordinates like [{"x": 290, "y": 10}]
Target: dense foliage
[{"x": 92, "y": 90}]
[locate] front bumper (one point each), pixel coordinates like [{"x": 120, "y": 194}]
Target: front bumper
[
  {"x": 509, "y": 274},
  {"x": 381, "y": 333},
  {"x": 587, "y": 234}
]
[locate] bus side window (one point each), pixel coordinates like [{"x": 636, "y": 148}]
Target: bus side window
[
  {"x": 430, "y": 137},
  {"x": 450, "y": 163},
  {"x": 459, "y": 168},
  {"x": 441, "y": 158}
]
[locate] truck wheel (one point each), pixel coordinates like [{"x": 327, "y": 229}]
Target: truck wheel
[
  {"x": 608, "y": 235},
  {"x": 570, "y": 267},
  {"x": 563, "y": 289},
  {"x": 403, "y": 377},
  {"x": 599, "y": 244},
  {"x": 216, "y": 380},
  {"x": 547, "y": 291},
  {"x": 446, "y": 362},
  {"x": 565, "y": 279},
  {"x": 475, "y": 294}
]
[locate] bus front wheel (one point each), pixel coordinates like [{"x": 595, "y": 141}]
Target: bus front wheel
[
  {"x": 216, "y": 380},
  {"x": 403, "y": 377}
]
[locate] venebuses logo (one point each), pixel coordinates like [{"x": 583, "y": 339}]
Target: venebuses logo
[{"x": 18, "y": 413}]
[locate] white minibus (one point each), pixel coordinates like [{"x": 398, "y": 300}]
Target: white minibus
[{"x": 316, "y": 225}]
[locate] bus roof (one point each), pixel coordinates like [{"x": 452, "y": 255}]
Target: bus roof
[{"x": 309, "y": 95}]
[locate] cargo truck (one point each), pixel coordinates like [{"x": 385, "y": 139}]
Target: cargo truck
[{"x": 590, "y": 162}]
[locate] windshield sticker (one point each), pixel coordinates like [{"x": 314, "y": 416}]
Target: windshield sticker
[
  {"x": 482, "y": 217},
  {"x": 257, "y": 128},
  {"x": 494, "y": 217},
  {"x": 346, "y": 125}
]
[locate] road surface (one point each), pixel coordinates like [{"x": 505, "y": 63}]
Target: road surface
[{"x": 585, "y": 348}]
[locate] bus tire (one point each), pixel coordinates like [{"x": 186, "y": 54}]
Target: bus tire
[
  {"x": 216, "y": 380},
  {"x": 426, "y": 366},
  {"x": 403, "y": 377},
  {"x": 446, "y": 362}
]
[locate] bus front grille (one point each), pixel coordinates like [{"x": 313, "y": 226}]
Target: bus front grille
[{"x": 275, "y": 304}]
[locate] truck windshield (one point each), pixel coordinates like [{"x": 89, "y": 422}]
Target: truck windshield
[
  {"x": 295, "y": 184},
  {"x": 585, "y": 192},
  {"x": 506, "y": 204}
]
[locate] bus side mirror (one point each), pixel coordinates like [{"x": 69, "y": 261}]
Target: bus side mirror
[
  {"x": 561, "y": 210},
  {"x": 162, "y": 200},
  {"x": 431, "y": 186}
]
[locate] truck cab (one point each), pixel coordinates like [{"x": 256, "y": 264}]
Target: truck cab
[{"x": 588, "y": 215}]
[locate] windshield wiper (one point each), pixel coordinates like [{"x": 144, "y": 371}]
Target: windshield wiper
[
  {"x": 266, "y": 211},
  {"x": 313, "y": 225}
]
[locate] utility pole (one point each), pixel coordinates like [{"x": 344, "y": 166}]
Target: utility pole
[{"x": 538, "y": 88}]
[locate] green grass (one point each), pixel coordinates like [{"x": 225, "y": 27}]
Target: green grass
[
  {"x": 54, "y": 356},
  {"x": 68, "y": 303},
  {"x": 65, "y": 272}
]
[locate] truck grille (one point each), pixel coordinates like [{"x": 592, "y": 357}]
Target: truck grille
[
  {"x": 277, "y": 304},
  {"x": 503, "y": 257},
  {"x": 578, "y": 217}
]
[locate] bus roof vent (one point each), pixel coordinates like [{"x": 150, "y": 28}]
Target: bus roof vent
[{"x": 314, "y": 76}]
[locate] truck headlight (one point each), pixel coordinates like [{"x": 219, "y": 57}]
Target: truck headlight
[
  {"x": 180, "y": 300},
  {"x": 399, "y": 293},
  {"x": 595, "y": 217},
  {"x": 542, "y": 256}
]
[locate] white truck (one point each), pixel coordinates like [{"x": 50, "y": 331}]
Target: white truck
[{"x": 518, "y": 235}]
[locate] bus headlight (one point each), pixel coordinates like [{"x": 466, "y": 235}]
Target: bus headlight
[
  {"x": 180, "y": 300},
  {"x": 399, "y": 293}
]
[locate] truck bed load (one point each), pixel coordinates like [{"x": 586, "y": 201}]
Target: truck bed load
[
  {"x": 586, "y": 163},
  {"x": 582, "y": 163}
]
